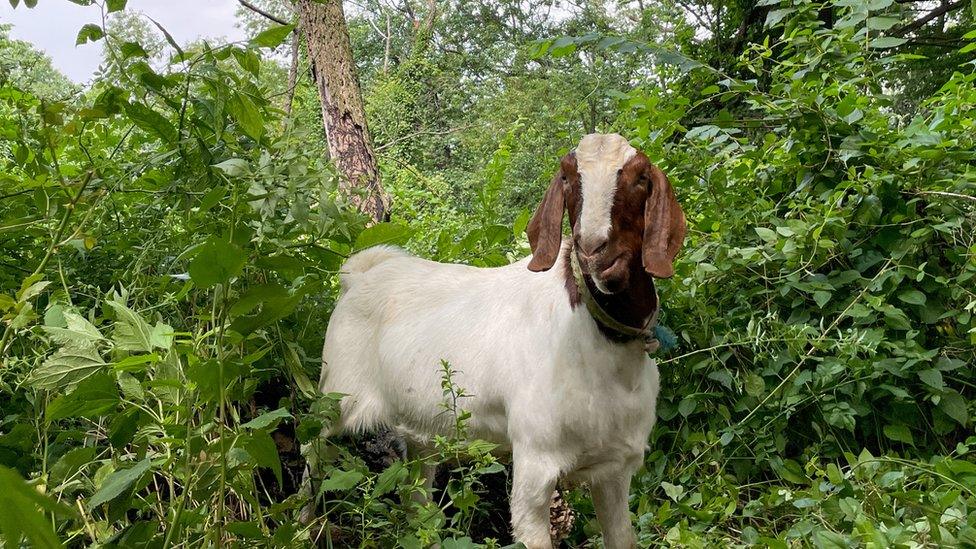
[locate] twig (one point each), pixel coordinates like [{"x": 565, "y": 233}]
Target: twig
[
  {"x": 934, "y": 14},
  {"x": 263, "y": 13},
  {"x": 953, "y": 195}
]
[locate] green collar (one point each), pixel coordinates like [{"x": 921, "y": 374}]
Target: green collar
[{"x": 604, "y": 319}]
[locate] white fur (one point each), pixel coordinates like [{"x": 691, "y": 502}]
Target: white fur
[
  {"x": 598, "y": 158},
  {"x": 545, "y": 384}
]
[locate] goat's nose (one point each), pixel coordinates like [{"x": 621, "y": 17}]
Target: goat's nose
[{"x": 592, "y": 246}]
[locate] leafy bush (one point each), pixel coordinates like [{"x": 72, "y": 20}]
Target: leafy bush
[{"x": 170, "y": 243}]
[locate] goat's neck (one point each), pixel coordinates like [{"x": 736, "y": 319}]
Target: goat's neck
[{"x": 632, "y": 306}]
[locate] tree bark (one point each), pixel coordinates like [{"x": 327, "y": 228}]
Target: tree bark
[{"x": 343, "y": 114}]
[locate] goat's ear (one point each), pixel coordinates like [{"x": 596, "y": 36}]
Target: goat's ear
[
  {"x": 545, "y": 229},
  {"x": 664, "y": 225}
]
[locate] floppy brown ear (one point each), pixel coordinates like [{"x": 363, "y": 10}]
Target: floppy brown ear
[
  {"x": 545, "y": 230},
  {"x": 664, "y": 226}
]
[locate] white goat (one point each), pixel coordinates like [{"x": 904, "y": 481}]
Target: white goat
[{"x": 568, "y": 389}]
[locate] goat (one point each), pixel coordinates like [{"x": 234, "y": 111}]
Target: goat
[{"x": 554, "y": 358}]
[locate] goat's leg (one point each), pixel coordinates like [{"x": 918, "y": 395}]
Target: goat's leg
[
  {"x": 534, "y": 479},
  {"x": 610, "y": 494}
]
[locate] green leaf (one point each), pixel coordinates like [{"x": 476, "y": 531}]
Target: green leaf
[
  {"x": 382, "y": 233},
  {"x": 272, "y": 37},
  {"x": 133, "y": 333},
  {"x": 89, "y": 32},
  {"x": 899, "y": 433},
  {"x": 754, "y": 384},
  {"x": 216, "y": 262},
  {"x": 775, "y": 16},
  {"x": 674, "y": 491},
  {"x": 340, "y": 481},
  {"x": 768, "y": 235},
  {"x": 390, "y": 477},
  {"x": 115, "y": 5},
  {"x": 955, "y": 406},
  {"x": 248, "y": 60},
  {"x": 151, "y": 121},
  {"x": 884, "y": 42},
  {"x": 69, "y": 365},
  {"x": 234, "y": 167},
  {"x": 79, "y": 332},
  {"x": 268, "y": 419},
  {"x": 260, "y": 446},
  {"x": 933, "y": 378},
  {"x": 133, "y": 49},
  {"x": 247, "y": 115},
  {"x": 914, "y": 297},
  {"x": 821, "y": 297},
  {"x": 118, "y": 482},
  {"x": 882, "y": 23},
  {"x": 93, "y": 397},
  {"x": 687, "y": 406},
  {"x": 21, "y": 515}
]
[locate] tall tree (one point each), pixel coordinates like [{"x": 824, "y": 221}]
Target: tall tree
[{"x": 342, "y": 104}]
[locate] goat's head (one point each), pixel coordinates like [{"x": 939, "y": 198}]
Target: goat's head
[{"x": 622, "y": 212}]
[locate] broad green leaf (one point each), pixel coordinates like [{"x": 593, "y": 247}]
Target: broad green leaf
[
  {"x": 68, "y": 365},
  {"x": 673, "y": 491},
  {"x": 933, "y": 378},
  {"x": 768, "y": 235},
  {"x": 775, "y": 16},
  {"x": 914, "y": 297},
  {"x": 93, "y": 397},
  {"x": 90, "y": 32},
  {"x": 248, "y": 60},
  {"x": 233, "y": 167},
  {"x": 260, "y": 446},
  {"x": 272, "y": 37},
  {"x": 955, "y": 406},
  {"x": 899, "y": 433},
  {"x": 79, "y": 332},
  {"x": 115, "y": 5},
  {"x": 247, "y": 115},
  {"x": 118, "y": 482},
  {"x": 132, "y": 49},
  {"x": 22, "y": 515},
  {"x": 267, "y": 419},
  {"x": 151, "y": 121},
  {"x": 884, "y": 42},
  {"x": 754, "y": 384},
  {"x": 390, "y": 477},
  {"x": 133, "y": 333},
  {"x": 32, "y": 290},
  {"x": 882, "y": 23},
  {"x": 216, "y": 262},
  {"x": 340, "y": 481},
  {"x": 382, "y": 233}
]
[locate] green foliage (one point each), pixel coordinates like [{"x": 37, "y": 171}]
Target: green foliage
[{"x": 170, "y": 242}]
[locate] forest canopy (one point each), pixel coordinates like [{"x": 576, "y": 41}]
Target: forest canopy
[{"x": 172, "y": 230}]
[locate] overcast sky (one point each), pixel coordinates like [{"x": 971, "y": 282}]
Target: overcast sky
[{"x": 53, "y": 25}]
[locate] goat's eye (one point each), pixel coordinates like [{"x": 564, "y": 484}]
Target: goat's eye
[{"x": 620, "y": 171}]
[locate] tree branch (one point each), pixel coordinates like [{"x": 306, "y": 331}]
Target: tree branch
[
  {"x": 261, "y": 12},
  {"x": 934, "y": 14}
]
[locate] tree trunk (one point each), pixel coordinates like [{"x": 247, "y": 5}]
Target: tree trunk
[{"x": 343, "y": 114}]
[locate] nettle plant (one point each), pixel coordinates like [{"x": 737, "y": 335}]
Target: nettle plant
[
  {"x": 826, "y": 309},
  {"x": 163, "y": 401}
]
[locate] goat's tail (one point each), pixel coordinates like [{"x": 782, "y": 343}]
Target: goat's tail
[{"x": 366, "y": 260}]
